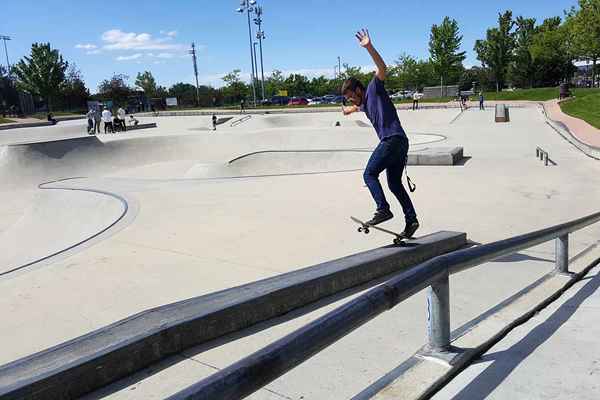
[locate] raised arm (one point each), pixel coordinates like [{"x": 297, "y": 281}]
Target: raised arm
[{"x": 365, "y": 41}]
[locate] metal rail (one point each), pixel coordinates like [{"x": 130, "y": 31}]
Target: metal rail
[
  {"x": 542, "y": 155},
  {"x": 257, "y": 370}
]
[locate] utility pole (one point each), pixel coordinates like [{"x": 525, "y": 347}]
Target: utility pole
[
  {"x": 5, "y": 38},
  {"x": 339, "y": 65},
  {"x": 193, "y": 53}
]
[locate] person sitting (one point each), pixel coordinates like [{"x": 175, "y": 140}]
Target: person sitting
[
  {"x": 52, "y": 119},
  {"x": 133, "y": 121},
  {"x": 117, "y": 127}
]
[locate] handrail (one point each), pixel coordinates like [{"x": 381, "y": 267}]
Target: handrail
[{"x": 258, "y": 369}]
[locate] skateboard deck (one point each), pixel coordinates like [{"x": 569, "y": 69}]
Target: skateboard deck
[{"x": 365, "y": 228}]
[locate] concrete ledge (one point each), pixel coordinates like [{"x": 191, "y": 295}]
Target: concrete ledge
[
  {"x": 141, "y": 126},
  {"x": 502, "y": 114},
  {"x": 26, "y": 125},
  {"x": 436, "y": 156},
  {"x": 106, "y": 355}
]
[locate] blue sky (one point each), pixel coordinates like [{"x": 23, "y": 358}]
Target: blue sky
[{"x": 306, "y": 36}]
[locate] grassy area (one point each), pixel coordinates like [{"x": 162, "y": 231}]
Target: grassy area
[
  {"x": 538, "y": 94},
  {"x": 5, "y": 120},
  {"x": 585, "y": 105}
]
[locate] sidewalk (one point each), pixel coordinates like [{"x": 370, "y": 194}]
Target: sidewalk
[
  {"x": 580, "y": 129},
  {"x": 553, "y": 356}
]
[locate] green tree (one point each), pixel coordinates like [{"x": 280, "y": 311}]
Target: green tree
[
  {"x": 74, "y": 93},
  {"x": 42, "y": 73},
  {"x": 522, "y": 71},
  {"x": 235, "y": 90},
  {"x": 115, "y": 89},
  {"x": 583, "y": 25},
  {"x": 274, "y": 83},
  {"x": 550, "y": 53},
  {"x": 147, "y": 83},
  {"x": 185, "y": 93},
  {"x": 297, "y": 85},
  {"x": 444, "y": 45},
  {"x": 496, "y": 51}
]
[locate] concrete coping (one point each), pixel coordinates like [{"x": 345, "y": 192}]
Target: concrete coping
[
  {"x": 141, "y": 126},
  {"x": 101, "y": 357}
]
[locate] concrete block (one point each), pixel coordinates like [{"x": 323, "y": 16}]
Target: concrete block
[
  {"x": 436, "y": 156},
  {"x": 502, "y": 114}
]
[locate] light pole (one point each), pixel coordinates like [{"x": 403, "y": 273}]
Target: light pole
[
  {"x": 5, "y": 38},
  {"x": 256, "y": 64},
  {"x": 193, "y": 53},
  {"x": 260, "y": 35},
  {"x": 339, "y": 65},
  {"x": 246, "y": 6}
]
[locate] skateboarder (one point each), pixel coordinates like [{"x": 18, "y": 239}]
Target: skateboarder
[
  {"x": 391, "y": 153},
  {"x": 214, "y": 122}
]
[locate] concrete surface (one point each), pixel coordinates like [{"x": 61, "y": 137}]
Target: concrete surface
[
  {"x": 553, "y": 356},
  {"x": 183, "y": 237}
]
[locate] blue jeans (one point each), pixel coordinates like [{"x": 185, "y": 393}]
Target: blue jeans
[{"x": 390, "y": 155}]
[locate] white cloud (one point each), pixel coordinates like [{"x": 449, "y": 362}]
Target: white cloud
[
  {"x": 91, "y": 52},
  {"x": 87, "y": 46},
  {"x": 171, "y": 34},
  {"x": 131, "y": 57},
  {"x": 116, "y": 39}
]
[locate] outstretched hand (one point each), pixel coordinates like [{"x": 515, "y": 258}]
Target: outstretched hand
[{"x": 363, "y": 37}]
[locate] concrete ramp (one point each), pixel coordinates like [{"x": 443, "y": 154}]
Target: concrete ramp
[
  {"x": 284, "y": 163},
  {"x": 56, "y": 221}
]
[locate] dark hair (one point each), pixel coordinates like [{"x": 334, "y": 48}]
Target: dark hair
[{"x": 351, "y": 84}]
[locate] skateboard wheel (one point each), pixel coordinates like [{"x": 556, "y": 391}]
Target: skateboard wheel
[
  {"x": 397, "y": 241},
  {"x": 367, "y": 231},
  {"x": 360, "y": 229}
]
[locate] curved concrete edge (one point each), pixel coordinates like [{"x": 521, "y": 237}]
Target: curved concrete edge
[
  {"x": 130, "y": 211},
  {"x": 563, "y": 130},
  {"x": 106, "y": 355},
  {"x": 111, "y": 227},
  {"x": 424, "y": 374}
]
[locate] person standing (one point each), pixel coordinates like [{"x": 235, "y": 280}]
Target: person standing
[
  {"x": 90, "y": 121},
  {"x": 214, "y": 122},
  {"x": 415, "y": 100},
  {"x": 391, "y": 153},
  {"x": 107, "y": 119},
  {"x": 97, "y": 120},
  {"x": 121, "y": 113},
  {"x": 481, "y": 100},
  {"x": 242, "y": 106}
]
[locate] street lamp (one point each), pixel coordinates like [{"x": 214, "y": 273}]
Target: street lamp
[
  {"x": 5, "y": 38},
  {"x": 247, "y": 6},
  {"x": 260, "y": 35}
]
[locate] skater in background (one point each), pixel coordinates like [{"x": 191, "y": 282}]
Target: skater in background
[
  {"x": 214, "y": 122},
  {"x": 90, "y": 121},
  {"x": 391, "y": 153}
]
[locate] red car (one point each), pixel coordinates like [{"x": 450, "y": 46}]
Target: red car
[{"x": 298, "y": 101}]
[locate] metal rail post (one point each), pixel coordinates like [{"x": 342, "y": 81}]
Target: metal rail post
[
  {"x": 438, "y": 318},
  {"x": 562, "y": 254}
]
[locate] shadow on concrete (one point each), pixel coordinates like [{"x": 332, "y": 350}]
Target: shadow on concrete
[
  {"x": 463, "y": 161},
  {"x": 506, "y": 361},
  {"x": 517, "y": 257}
]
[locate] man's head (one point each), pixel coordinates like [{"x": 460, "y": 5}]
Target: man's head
[{"x": 354, "y": 91}]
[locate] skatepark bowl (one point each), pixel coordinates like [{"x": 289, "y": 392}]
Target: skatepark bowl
[{"x": 182, "y": 262}]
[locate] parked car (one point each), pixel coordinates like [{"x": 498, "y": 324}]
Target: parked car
[
  {"x": 298, "y": 101},
  {"x": 315, "y": 101},
  {"x": 279, "y": 100},
  {"x": 328, "y": 99}
]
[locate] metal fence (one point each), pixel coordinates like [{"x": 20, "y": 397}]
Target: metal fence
[{"x": 257, "y": 370}]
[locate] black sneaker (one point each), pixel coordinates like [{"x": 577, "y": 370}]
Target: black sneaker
[
  {"x": 380, "y": 216},
  {"x": 411, "y": 228}
]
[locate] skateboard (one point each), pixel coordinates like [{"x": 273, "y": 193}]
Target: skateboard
[{"x": 365, "y": 228}]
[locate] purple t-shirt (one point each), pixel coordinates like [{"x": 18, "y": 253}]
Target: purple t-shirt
[{"x": 380, "y": 110}]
